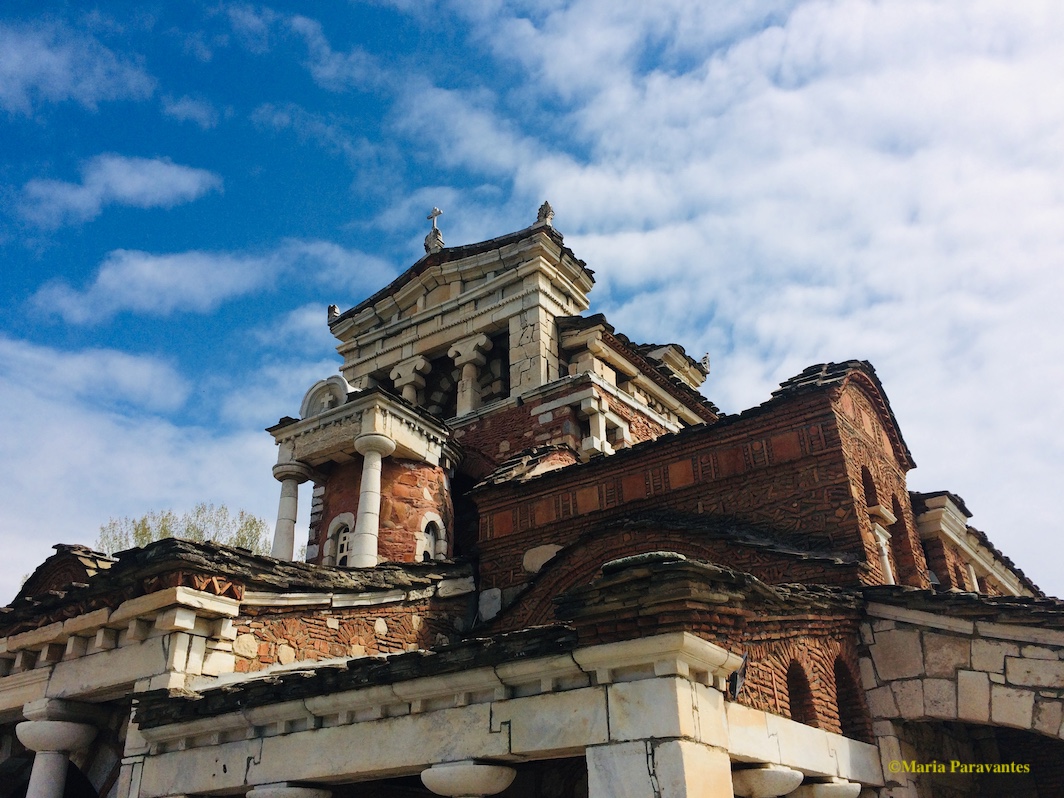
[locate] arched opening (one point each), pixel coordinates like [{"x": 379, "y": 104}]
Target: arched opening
[
  {"x": 871, "y": 498},
  {"x": 853, "y": 721},
  {"x": 901, "y": 548},
  {"x": 800, "y": 696}
]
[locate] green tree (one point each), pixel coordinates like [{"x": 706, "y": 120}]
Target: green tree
[{"x": 202, "y": 523}]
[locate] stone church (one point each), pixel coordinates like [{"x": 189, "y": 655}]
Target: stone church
[{"x": 541, "y": 563}]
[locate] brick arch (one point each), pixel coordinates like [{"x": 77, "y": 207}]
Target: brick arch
[
  {"x": 579, "y": 563},
  {"x": 1001, "y": 676}
]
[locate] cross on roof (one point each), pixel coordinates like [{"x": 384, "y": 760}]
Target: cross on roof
[{"x": 432, "y": 216}]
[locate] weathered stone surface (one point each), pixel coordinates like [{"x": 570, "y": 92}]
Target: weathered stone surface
[
  {"x": 909, "y": 696},
  {"x": 1011, "y": 707},
  {"x": 1048, "y": 715},
  {"x": 989, "y": 655},
  {"x": 945, "y": 654},
  {"x": 1034, "y": 672},
  {"x": 881, "y": 703},
  {"x": 973, "y": 696},
  {"x": 940, "y": 698},
  {"x": 246, "y": 645},
  {"x": 898, "y": 654}
]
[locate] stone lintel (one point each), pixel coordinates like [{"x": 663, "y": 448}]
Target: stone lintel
[{"x": 920, "y": 618}]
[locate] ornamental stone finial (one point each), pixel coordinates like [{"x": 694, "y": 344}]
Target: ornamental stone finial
[
  {"x": 434, "y": 240},
  {"x": 545, "y": 217}
]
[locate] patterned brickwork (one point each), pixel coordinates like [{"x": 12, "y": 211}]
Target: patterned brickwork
[{"x": 272, "y": 637}]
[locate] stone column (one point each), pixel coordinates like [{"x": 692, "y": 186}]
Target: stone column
[
  {"x": 467, "y": 779},
  {"x": 470, "y": 355},
  {"x": 882, "y": 541},
  {"x": 53, "y": 741},
  {"x": 285, "y": 790},
  {"x": 408, "y": 378},
  {"x": 291, "y": 476},
  {"x": 658, "y": 769},
  {"x": 373, "y": 448}
]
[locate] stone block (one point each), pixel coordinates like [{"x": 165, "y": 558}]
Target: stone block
[
  {"x": 868, "y": 674},
  {"x": 897, "y": 654},
  {"x": 620, "y": 770},
  {"x": 881, "y": 703},
  {"x": 909, "y": 696},
  {"x": 989, "y": 655},
  {"x": 973, "y": 696},
  {"x": 1034, "y": 672},
  {"x": 748, "y": 737},
  {"x": 944, "y": 655},
  {"x": 1048, "y": 716},
  {"x": 1011, "y": 707},
  {"x": 940, "y": 698},
  {"x": 246, "y": 645},
  {"x": 1025, "y": 634},
  {"x": 1039, "y": 652},
  {"x": 685, "y": 769}
]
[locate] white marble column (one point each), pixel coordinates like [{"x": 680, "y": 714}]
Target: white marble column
[
  {"x": 53, "y": 741},
  {"x": 291, "y": 475},
  {"x": 467, "y": 779},
  {"x": 883, "y": 543},
  {"x": 285, "y": 790},
  {"x": 373, "y": 448}
]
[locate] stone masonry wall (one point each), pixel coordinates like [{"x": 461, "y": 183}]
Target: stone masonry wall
[
  {"x": 272, "y": 637},
  {"x": 409, "y": 490}
]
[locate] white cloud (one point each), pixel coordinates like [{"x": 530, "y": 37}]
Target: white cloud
[
  {"x": 199, "y": 282},
  {"x": 190, "y": 109},
  {"x": 50, "y": 63},
  {"x": 115, "y": 180},
  {"x": 355, "y": 69},
  {"x": 142, "y": 282},
  {"x": 80, "y": 464}
]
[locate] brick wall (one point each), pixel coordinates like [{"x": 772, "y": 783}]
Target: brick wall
[{"x": 273, "y": 637}]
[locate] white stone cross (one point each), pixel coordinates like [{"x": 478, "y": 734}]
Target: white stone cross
[{"x": 432, "y": 216}]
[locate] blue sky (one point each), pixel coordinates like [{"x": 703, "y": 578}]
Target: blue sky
[{"x": 184, "y": 188}]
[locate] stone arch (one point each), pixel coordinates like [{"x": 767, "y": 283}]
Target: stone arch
[
  {"x": 999, "y": 675},
  {"x": 871, "y": 496},
  {"x": 906, "y": 557},
  {"x": 800, "y": 703},
  {"x": 338, "y": 540},
  {"x": 432, "y": 542}
]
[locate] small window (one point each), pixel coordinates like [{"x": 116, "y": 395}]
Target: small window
[{"x": 800, "y": 695}]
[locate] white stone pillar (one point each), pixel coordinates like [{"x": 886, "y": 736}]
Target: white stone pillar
[
  {"x": 291, "y": 476},
  {"x": 658, "y": 769},
  {"x": 467, "y": 779},
  {"x": 373, "y": 448},
  {"x": 285, "y": 790},
  {"x": 52, "y": 740},
  {"x": 882, "y": 541},
  {"x": 469, "y": 354}
]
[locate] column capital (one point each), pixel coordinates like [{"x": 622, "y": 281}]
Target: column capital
[
  {"x": 467, "y": 779},
  {"x": 61, "y": 709},
  {"x": 471, "y": 350},
  {"x": 374, "y": 442},
  {"x": 410, "y": 372},
  {"x": 294, "y": 469},
  {"x": 54, "y": 735}
]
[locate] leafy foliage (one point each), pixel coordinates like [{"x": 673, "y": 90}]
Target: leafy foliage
[{"x": 202, "y": 523}]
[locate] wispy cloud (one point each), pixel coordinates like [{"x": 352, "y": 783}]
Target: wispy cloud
[
  {"x": 131, "y": 281},
  {"x": 336, "y": 71},
  {"x": 103, "y": 376},
  {"x": 48, "y": 63},
  {"x": 190, "y": 109},
  {"x": 114, "y": 180},
  {"x": 142, "y": 282}
]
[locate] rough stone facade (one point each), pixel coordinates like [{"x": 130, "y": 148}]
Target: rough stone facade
[{"x": 540, "y": 562}]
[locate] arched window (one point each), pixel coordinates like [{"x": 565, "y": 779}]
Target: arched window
[
  {"x": 848, "y": 698},
  {"x": 343, "y": 547},
  {"x": 800, "y": 696},
  {"x": 905, "y": 557}
]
